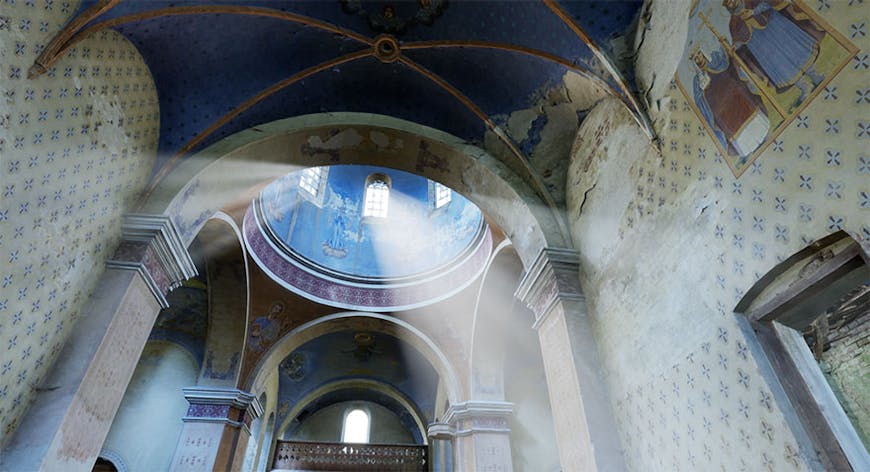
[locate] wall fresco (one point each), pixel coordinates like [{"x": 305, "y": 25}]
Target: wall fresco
[
  {"x": 750, "y": 66},
  {"x": 327, "y": 226}
]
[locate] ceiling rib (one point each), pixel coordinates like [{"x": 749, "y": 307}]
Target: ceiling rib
[
  {"x": 265, "y": 93},
  {"x": 579, "y": 69},
  {"x": 51, "y": 52},
  {"x": 538, "y": 185},
  {"x": 69, "y": 38},
  {"x": 639, "y": 114}
]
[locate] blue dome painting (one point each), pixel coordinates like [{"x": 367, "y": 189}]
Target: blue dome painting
[{"x": 369, "y": 224}]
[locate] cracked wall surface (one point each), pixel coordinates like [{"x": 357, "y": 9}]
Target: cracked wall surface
[
  {"x": 670, "y": 241},
  {"x": 76, "y": 144}
]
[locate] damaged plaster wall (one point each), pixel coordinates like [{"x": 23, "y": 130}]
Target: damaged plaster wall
[
  {"x": 661, "y": 32},
  {"x": 544, "y": 132},
  {"x": 670, "y": 242},
  {"x": 76, "y": 145}
]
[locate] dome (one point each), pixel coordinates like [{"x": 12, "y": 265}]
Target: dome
[{"x": 388, "y": 238}]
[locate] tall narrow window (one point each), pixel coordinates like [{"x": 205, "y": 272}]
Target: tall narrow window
[
  {"x": 442, "y": 195},
  {"x": 310, "y": 180},
  {"x": 377, "y": 196},
  {"x": 356, "y": 427}
]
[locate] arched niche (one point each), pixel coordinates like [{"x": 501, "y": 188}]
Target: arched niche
[
  {"x": 365, "y": 384},
  {"x": 202, "y": 184},
  {"x": 786, "y": 317},
  {"x": 370, "y": 322},
  {"x": 228, "y": 304},
  {"x": 506, "y": 363},
  {"x": 494, "y": 304}
]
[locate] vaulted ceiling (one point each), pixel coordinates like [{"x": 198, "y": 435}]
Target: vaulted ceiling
[{"x": 461, "y": 67}]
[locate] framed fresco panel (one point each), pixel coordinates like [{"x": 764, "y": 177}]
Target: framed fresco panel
[{"x": 750, "y": 66}]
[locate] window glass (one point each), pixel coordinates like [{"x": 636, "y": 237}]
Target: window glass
[
  {"x": 356, "y": 427},
  {"x": 442, "y": 195},
  {"x": 377, "y": 199},
  {"x": 310, "y": 180}
]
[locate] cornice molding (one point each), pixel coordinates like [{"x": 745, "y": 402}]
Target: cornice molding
[
  {"x": 440, "y": 431},
  {"x": 151, "y": 246},
  {"x": 552, "y": 277},
  {"x": 478, "y": 416}
]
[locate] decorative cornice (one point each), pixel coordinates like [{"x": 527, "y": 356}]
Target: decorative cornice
[
  {"x": 477, "y": 416},
  {"x": 553, "y": 277},
  {"x": 151, "y": 246},
  {"x": 222, "y": 405},
  {"x": 440, "y": 431},
  {"x": 223, "y": 396}
]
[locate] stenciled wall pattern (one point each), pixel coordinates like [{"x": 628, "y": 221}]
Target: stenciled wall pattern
[
  {"x": 687, "y": 391},
  {"x": 76, "y": 143}
]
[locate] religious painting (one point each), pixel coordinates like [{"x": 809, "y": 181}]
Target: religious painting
[{"x": 750, "y": 66}]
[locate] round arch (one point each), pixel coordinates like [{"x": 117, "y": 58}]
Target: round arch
[
  {"x": 494, "y": 300},
  {"x": 368, "y": 384},
  {"x": 360, "y": 321},
  {"x": 203, "y": 183},
  {"x": 229, "y": 300}
]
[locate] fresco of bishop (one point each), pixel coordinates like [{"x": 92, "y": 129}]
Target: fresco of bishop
[
  {"x": 728, "y": 102},
  {"x": 777, "y": 42}
]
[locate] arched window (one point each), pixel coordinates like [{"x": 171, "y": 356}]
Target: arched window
[
  {"x": 377, "y": 196},
  {"x": 356, "y": 427},
  {"x": 310, "y": 180},
  {"x": 443, "y": 195}
]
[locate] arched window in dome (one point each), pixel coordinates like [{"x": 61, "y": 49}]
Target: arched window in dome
[
  {"x": 356, "y": 427},
  {"x": 309, "y": 181},
  {"x": 312, "y": 183},
  {"x": 377, "y": 196}
]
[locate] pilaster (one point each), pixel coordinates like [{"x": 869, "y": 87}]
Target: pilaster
[
  {"x": 216, "y": 429},
  {"x": 151, "y": 246},
  {"x": 481, "y": 432},
  {"x": 71, "y": 414},
  {"x": 585, "y": 429},
  {"x": 441, "y": 446}
]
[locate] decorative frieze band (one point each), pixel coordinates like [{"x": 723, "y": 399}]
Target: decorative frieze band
[
  {"x": 151, "y": 246},
  {"x": 553, "y": 277},
  {"x": 475, "y": 416},
  {"x": 225, "y": 405}
]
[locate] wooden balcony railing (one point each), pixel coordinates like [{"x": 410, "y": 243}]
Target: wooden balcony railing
[{"x": 314, "y": 456}]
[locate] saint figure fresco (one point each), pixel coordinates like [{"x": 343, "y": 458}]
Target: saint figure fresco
[
  {"x": 265, "y": 329},
  {"x": 728, "y": 104},
  {"x": 749, "y": 67},
  {"x": 777, "y": 42}
]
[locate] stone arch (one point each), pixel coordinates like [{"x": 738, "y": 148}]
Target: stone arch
[
  {"x": 360, "y": 321},
  {"x": 494, "y": 299},
  {"x": 265, "y": 452},
  {"x": 112, "y": 456},
  {"x": 228, "y": 294},
  {"x": 369, "y": 384},
  {"x": 255, "y": 445},
  {"x": 200, "y": 186}
]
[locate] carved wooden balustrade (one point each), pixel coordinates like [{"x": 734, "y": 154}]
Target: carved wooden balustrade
[{"x": 321, "y": 456}]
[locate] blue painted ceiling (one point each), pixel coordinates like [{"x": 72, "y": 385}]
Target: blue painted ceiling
[
  {"x": 336, "y": 356},
  {"x": 329, "y": 231},
  {"x": 206, "y": 64}
]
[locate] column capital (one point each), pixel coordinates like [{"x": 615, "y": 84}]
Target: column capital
[
  {"x": 479, "y": 416},
  {"x": 440, "y": 430},
  {"x": 553, "y": 277},
  {"x": 226, "y": 405},
  {"x": 151, "y": 246}
]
